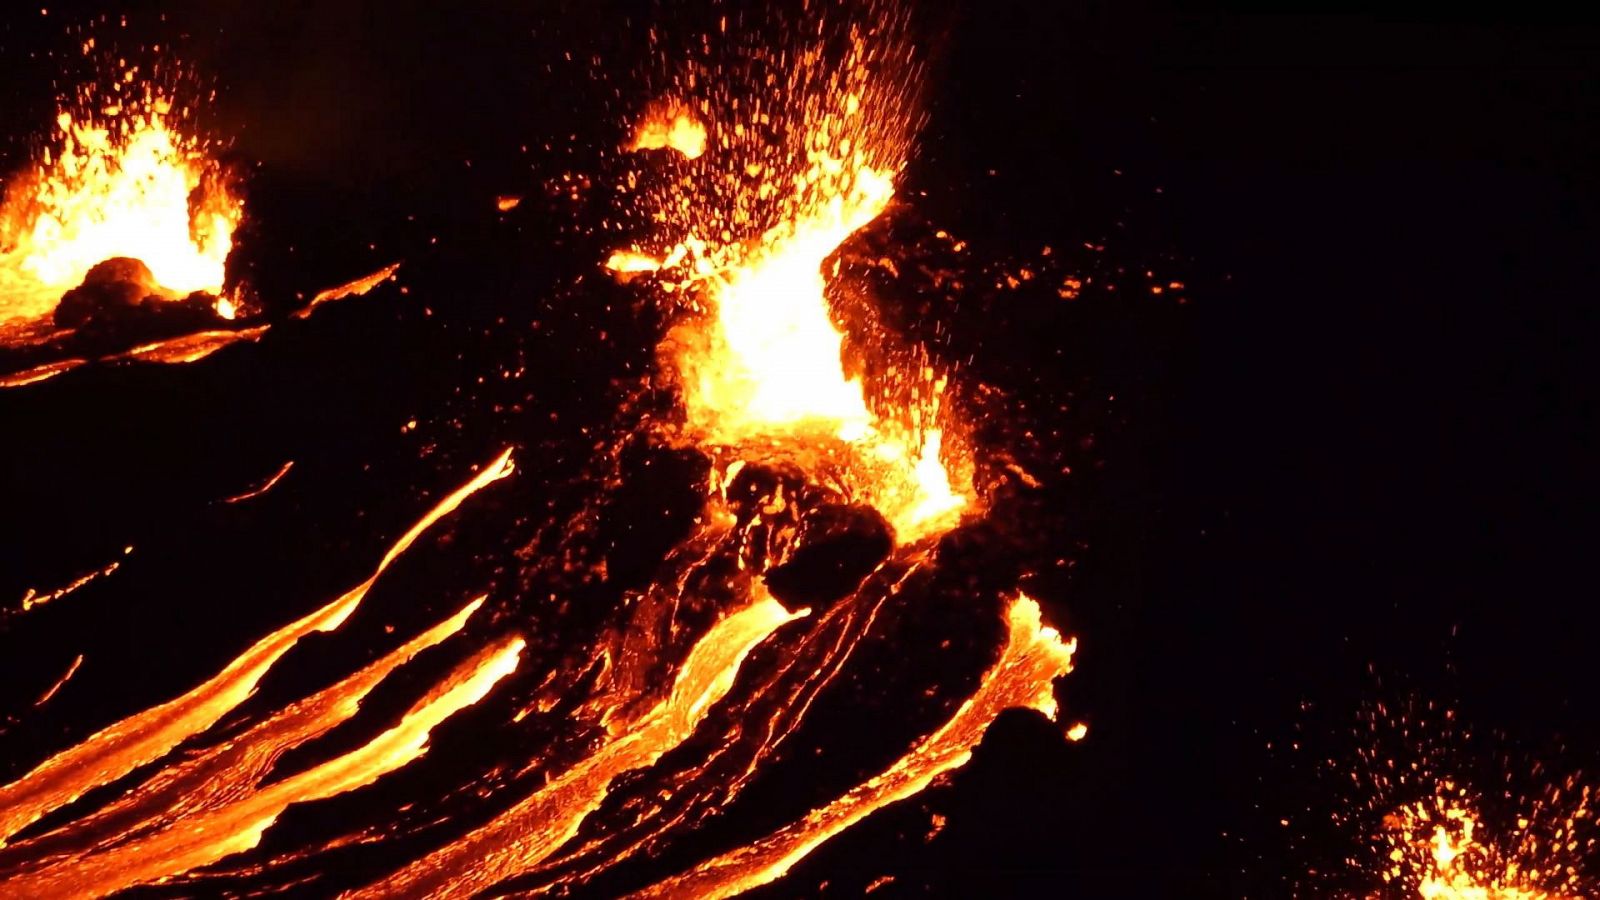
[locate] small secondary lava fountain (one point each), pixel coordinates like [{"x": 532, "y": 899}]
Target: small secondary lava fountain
[
  {"x": 1439, "y": 849},
  {"x": 123, "y": 177},
  {"x": 1440, "y": 816},
  {"x": 826, "y": 487}
]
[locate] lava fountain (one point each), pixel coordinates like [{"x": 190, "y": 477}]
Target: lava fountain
[
  {"x": 745, "y": 237},
  {"x": 123, "y": 177}
]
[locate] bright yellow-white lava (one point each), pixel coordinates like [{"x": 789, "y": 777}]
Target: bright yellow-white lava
[
  {"x": 772, "y": 365},
  {"x": 125, "y": 182},
  {"x": 1438, "y": 848},
  {"x": 672, "y": 128},
  {"x": 762, "y": 365}
]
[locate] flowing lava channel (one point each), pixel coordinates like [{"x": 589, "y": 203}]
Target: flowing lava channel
[
  {"x": 680, "y": 703},
  {"x": 1439, "y": 851}
]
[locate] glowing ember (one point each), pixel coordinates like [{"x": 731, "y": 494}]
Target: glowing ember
[
  {"x": 123, "y": 181},
  {"x": 625, "y": 262},
  {"x": 671, "y": 127}
]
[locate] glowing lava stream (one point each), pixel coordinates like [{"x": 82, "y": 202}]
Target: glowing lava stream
[
  {"x": 225, "y": 773},
  {"x": 1033, "y": 657},
  {"x": 520, "y": 838},
  {"x": 119, "y": 749},
  {"x": 205, "y": 837}
]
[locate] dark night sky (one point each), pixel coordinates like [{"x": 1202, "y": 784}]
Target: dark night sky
[{"x": 1367, "y": 440}]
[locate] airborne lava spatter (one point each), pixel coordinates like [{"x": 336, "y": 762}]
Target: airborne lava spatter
[
  {"x": 744, "y": 237},
  {"x": 1441, "y": 850}
]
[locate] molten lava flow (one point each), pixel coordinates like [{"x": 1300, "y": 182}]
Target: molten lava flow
[
  {"x": 122, "y": 181},
  {"x": 34, "y": 598},
  {"x": 1033, "y": 657},
  {"x": 40, "y": 373},
  {"x": 215, "y": 782},
  {"x": 119, "y": 749},
  {"x": 355, "y": 288},
  {"x": 204, "y": 837}
]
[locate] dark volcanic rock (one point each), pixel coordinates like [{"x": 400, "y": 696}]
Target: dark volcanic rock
[
  {"x": 120, "y": 299},
  {"x": 111, "y": 288},
  {"x": 757, "y": 484},
  {"x": 839, "y": 545}
]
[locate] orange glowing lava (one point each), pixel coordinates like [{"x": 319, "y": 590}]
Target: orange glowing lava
[
  {"x": 1440, "y": 850},
  {"x": 120, "y": 748},
  {"x": 671, "y": 127},
  {"x": 1033, "y": 657},
  {"x": 759, "y": 359},
  {"x": 660, "y": 713},
  {"x": 122, "y": 181},
  {"x": 1429, "y": 832}
]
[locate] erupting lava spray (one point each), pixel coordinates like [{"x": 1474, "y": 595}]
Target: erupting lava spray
[{"x": 123, "y": 177}]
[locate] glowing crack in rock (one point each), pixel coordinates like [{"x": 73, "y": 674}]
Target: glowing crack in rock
[{"x": 1439, "y": 849}]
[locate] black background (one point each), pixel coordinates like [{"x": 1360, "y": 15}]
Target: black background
[{"x": 1364, "y": 442}]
